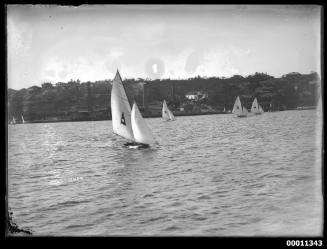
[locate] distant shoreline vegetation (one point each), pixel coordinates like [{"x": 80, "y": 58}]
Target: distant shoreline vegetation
[{"x": 77, "y": 101}]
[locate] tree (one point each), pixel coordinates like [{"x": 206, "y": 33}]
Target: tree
[{"x": 47, "y": 85}]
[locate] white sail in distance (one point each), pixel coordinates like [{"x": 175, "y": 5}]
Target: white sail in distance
[
  {"x": 166, "y": 113},
  {"x": 23, "y": 121},
  {"x": 238, "y": 109},
  {"x": 120, "y": 109},
  {"x": 256, "y": 108},
  {"x": 141, "y": 131}
]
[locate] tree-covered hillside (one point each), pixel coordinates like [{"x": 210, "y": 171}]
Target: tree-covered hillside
[{"x": 77, "y": 100}]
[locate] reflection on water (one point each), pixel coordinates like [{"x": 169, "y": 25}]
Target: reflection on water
[{"x": 208, "y": 175}]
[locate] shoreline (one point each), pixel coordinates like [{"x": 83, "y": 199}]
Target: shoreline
[
  {"x": 152, "y": 116},
  {"x": 105, "y": 119},
  {"x": 108, "y": 119}
]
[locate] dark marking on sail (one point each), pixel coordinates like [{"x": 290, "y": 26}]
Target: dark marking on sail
[
  {"x": 237, "y": 107},
  {"x": 122, "y": 119}
]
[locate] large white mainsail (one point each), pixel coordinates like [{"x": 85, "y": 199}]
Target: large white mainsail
[
  {"x": 166, "y": 113},
  {"x": 120, "y": 109},
  {"x": 141, "y": 131},
  {"x": 238, "y": 109}
]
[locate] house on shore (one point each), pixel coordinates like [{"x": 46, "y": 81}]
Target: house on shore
[{"x": 197, "y": 95}]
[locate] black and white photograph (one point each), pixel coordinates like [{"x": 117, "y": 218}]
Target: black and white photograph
[{"x": 164, "y": 120}]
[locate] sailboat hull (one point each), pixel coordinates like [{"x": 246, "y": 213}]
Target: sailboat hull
[{"x": 137, "y": 145}]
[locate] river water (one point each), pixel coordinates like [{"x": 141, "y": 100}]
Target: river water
[{"x": 210, "y": 175}]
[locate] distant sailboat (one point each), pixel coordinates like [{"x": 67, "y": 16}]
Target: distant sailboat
[
  {"x": 256, "y": 108},
  {"x": 224, "y": 110},
  {"x": 167, "y": 114},
  {"x": 13, "y": 121},
  {"x": 128, "y": 123},
  {"x": 23, "y": 121},
  {"x": 238, "y": 109}
]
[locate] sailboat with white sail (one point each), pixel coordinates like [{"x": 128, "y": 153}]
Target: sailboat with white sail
[
  {"x": 128, "y": 123},
  {"x": 256, "y": 108},
  {"x": 239, "y": 110},
  {"x": 167, "y": 114},
  {"x": 23, "y": 121},
  {"x": 13, "y": 121}
]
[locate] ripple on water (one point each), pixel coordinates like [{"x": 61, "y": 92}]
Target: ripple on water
[
  {"x": 171, "y": 228},
  {"x": 204, "y": 197}
]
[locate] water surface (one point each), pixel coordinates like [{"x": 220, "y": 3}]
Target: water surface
[{"x": 212, "y": 175}]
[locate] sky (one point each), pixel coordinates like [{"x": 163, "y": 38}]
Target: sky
[{"x": 90, "y": 42}]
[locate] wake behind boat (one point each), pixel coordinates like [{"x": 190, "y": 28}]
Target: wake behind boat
[
  {"x": 239, "y": 110},
  {"x": 167, "y": 114},
  {"x": 128, "y": 123}
]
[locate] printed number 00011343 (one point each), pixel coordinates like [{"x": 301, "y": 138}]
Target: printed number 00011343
[{"x": 304, "y": 242}]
